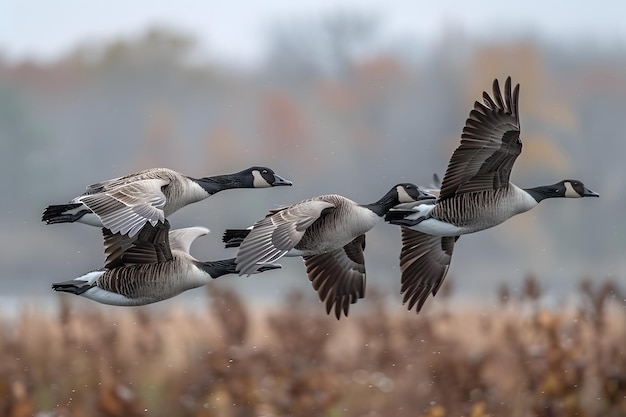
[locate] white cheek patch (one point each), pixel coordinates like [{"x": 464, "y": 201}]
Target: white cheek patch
[
  {"x": 259, "y": 181},
  {"x": 569, "y": 191},
  {"x": 403, "y": 196}
]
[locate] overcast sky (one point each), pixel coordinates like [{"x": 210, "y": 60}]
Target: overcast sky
[{"x": 236, "y": 29}]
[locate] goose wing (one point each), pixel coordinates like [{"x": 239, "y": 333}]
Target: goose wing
[
  {"x": 424, "y": 262},
  {"x": 127, "y": 208},
  {"x": 101, "y": 186},
  {"x": 490, "y": 144},
  {"x": 275, "y": 235},
  {"x": 181, "y": 239},
  {"x": 150, "y": 245},
  {"x": 339, "y": 276},
  {"x": 109, "y": 184}
]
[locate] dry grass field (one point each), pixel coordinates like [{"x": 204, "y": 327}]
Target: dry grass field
[{"x": 512, "y": 359}]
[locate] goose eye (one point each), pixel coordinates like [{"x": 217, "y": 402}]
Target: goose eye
[{"x": 264, "y": 171}]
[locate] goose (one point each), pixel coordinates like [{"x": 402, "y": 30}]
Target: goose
[
  {"x": 475, "y": 195},
  {"x": 153, "y": 265},
  {"x": 123, "y": 205},
  {"x": 328, "y": 231}
]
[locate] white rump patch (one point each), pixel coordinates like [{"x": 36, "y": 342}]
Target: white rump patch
[
  {"x": 90, "y": 277},
  {"x": 421, "y": 210}
]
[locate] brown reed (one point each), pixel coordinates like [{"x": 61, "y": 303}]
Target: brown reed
[{"x": 511, "y": 359}]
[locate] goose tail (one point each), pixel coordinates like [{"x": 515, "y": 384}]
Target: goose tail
[
  {"x": 234, "y": 237},
  {"x": 229, "y": 266},
  {"x": 63, "y": 213},
  {"x": 72, "y": 287},
  {"x": 398, "y": 217},
  {"x": 78, "y": 285}
]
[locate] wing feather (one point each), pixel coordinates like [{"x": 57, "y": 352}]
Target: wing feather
[
  {"x": 127, "y": 208},
  {"x": 150, "y": 245},
  {"x": 490, "y": 144},
  {"x": 339, "y": 276},
  {"x": 424, "y": 263},
  {"x": 273, "y": 236},
  {"x": 181, "y": 239}
]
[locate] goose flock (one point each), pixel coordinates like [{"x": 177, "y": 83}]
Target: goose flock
[{"x": 146, "y": 262}]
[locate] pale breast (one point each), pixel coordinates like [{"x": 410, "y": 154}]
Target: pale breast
[{"x": 182, "y": 192}]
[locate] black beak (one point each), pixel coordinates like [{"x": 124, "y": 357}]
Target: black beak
[
  {"x": 423, "y": 195},
  {"x": 278, "y": 180},
  {"x": 588, "y": 193}
]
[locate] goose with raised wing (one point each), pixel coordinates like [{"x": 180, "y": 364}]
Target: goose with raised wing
[
  {"x": 124, "y": 205},
  {"x": 475, "y": 195},
  {"x": 329, "y": 233},
  {"x": 151, "y": 266}
]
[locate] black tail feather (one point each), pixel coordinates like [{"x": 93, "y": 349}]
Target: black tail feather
[
  {"x": 268, "y": 267},
  {"x": 234, "y": 237},
  {"x": 393, "y": 215},
  {"x": 398, "y": 217},
  {"x": 72, "y": 287},
  {"x": 229, "y": 266},
  {"x": 57, "y": 213}
]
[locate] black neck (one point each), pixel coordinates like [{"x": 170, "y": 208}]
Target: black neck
[
  {"x": 219, "y": 183},
  {"x": 218, "y": 268},
  {"x": 383, "y": 205},
  {"x": 543, "y": 192}
]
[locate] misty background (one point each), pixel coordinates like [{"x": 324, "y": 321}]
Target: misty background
[{"x": 348, "y": 100}]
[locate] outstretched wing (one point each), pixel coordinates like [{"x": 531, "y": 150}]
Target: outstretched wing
[
  {"x": 424, "y": 262},
  {"x": 273, "y": 236},
  {"x": 181, "y": 239},
  {"x": 490, "y": 144},
  {"x": 339, "y": 276},
  {"x": 127, "y": 208},
  {"x": 149, "y": 245}
]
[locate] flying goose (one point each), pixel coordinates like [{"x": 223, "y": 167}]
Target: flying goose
[
  {"x": 328, "y": 231},
  {"x": 475, "y": 195},
  {"x": 152, "y": 266},
  {"x": 124, "y": 205}
]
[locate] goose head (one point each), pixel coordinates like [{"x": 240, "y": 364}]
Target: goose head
[
  {"x": 400, "y": 193},
  {"x": 410, "y": 193},
  {"x": 262, "y": 177},
  {"x": 568, "y": 188},
  {"x": 253, "y": 177}
]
